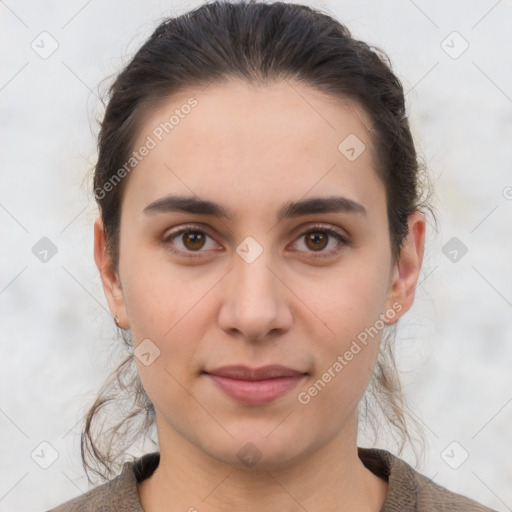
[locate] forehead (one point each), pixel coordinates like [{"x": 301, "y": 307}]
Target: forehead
[{"x": 255, "y": 142}]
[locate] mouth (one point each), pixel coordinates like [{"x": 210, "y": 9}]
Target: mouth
[{"x": 255, "y": 386}]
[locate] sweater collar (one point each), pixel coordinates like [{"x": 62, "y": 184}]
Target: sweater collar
[{"x": 402, "y": 486}]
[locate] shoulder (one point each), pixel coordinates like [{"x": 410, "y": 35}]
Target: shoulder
[
  {"x": 410, "y": 490},
  {"x": 117, "y": 494}
]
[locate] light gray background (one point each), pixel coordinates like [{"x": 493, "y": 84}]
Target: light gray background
[{"x": 57, "y": 337}]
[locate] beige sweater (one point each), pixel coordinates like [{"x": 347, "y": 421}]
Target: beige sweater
[{"x": 408, "y": 490}]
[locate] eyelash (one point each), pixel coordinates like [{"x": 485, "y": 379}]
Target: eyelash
[{"x": 312, "y": 229}]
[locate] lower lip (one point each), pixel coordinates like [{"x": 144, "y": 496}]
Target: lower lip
[{"x": 256, "y": 392}]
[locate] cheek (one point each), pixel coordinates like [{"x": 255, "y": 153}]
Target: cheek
[
  {"x": 352, "y": 300},
  {"x": 156, "y": 292},
  {"x": 169, "y": 310},
  {"x": 169, "y": 305},
  {"x": 345, "y": 360},
  {"x": 352, "y": 304}
]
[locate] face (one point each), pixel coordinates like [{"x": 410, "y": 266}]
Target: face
[{"x": 256, "y": 332}]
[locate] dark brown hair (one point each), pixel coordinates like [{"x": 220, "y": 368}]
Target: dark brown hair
[{"x": 259, "y": 43}]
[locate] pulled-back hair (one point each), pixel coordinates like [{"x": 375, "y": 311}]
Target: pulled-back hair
[{"x": 259, "y": 43}]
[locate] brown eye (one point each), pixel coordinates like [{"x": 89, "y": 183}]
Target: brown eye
[
  {"x": 316, "y": 240},
  {"x": 188, "y": 241},
  {"x": 193, "y": 240}
]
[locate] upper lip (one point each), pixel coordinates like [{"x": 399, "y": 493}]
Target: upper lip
[{"x": 273, "y": 371}]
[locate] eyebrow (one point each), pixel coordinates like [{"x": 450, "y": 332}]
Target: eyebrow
[{"x": 194, "y": 205}]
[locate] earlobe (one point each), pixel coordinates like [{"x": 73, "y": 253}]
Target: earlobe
[
  {"x": 109, "y": 276},
  {"x": 408, "y": 266}
]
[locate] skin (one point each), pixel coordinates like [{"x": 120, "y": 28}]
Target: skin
[{"x": 252, "y": 148}]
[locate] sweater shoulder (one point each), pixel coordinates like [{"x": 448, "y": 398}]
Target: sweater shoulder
[
  {"x": 95, "y": 500},
  {"x": 433, "y": 496},
  {"x": 409, "y": 490},
  {"x": 117, "y": 495}
]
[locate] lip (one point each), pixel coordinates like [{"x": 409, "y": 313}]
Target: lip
[{"x": 255, "y": 386}]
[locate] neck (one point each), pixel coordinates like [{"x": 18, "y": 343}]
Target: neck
[{"x": 332, "y": 478}]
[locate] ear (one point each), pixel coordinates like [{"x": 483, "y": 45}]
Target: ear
[
  {"x": 109, "y": 277},
  {"x": 407, "y": 269}
]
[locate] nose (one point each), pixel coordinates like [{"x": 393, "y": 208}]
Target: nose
[{"x": 256, "y": 304}]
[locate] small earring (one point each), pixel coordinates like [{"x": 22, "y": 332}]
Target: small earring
[{"x": 116, "y": 320}]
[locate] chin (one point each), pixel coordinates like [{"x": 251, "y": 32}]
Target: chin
[{"x": 256, "y": 450}]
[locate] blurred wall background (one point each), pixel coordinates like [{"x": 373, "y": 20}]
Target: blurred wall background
[{"x": 454, "y": 59}]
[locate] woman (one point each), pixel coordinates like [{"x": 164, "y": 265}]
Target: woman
[{"x": 261, "y": 224}]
